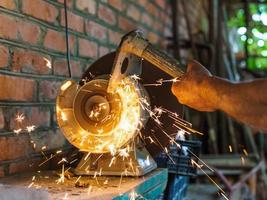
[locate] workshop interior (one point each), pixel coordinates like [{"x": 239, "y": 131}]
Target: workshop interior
[{"x": 87, "y": 109}]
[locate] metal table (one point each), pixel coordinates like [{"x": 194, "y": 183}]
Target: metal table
[{"x": 44, "y": 185}]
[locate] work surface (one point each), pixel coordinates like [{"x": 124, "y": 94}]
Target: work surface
[{"x": 45, "y": 185}]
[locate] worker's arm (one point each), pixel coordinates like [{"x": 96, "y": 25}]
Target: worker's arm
[{"x": 245, "y": 101}]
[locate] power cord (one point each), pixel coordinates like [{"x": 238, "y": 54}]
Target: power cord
[{"x": 67, "y": 38}]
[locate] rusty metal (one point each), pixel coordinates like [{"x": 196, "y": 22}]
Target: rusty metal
[
  {"x": 133, "y": 43},
  {"x": 230, "y": 188},
  {"x": 221, "y": 164}
]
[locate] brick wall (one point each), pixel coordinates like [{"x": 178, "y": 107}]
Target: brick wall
[{"x": 33, "y": 64}]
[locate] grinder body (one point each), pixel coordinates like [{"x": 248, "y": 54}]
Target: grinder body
[{"x": 91, "y": 113}]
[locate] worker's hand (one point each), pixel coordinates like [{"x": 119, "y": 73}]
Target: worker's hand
[{"x": 194, "y": 89}]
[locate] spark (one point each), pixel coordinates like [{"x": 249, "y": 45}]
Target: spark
[
  {"x": 166, "y": 150},
  {"x": 73, "y": 161},
  {"x": 151, "y": 140},
  {"x": 66, "y": 85},
  {"x": 124, "y": 153},
  {"x": 185, "y": 150},
  {"x": 100, "y": 171},
  {"x": 33, "y": 144},
  {"x": 98, "y": 158},
  {"x": 30, "y": 128},
  {"x": 148, "y": 160},
  {"x": 85, "y": 80},
  {"x": 78, "y": 179},
  {"x": 43, "y": 148},
  {"x": 245, "y": 152},
  {"x": 58, "y": 151},
  {"x": 95, "y": 174},
  {"x": 230, "y": 148},
  {"x": 87, "y": 155},
  {"x": 160, "y": 82},
  {"x": 201, "y": 160},
  {"x": 224, "y": 196},
  {"x": 133, "y": 195},
  {"x": 17, "y": 131},
  {"x": 111, "y": 162},
  {"x": 242, "y": 160},
  {"x": 20, "y": 117},
  {"x": 89, "y": 189},
  {"x": 62, "y": 176},
  {"x": 152, "y": 84},
  {"x": 135, "y": 77},
  {"x": 63, "y": 116},
  {"x": 158, "y": 111},
  {"x": 46, "y": 160},
  {"x": 180, "y": 135},
  {"x": 31, "y": 184},
  {"x": 112, "y": 149},
  {"x": 48, "y": 63},
  {"x": 195, "y": 163},
  {"x": 63, "y": 160},
  {"x": 66, "y": 196}
]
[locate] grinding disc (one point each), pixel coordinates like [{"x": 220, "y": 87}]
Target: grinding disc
[{"x": 160, "y": 96}]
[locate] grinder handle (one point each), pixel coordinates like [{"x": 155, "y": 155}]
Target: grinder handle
[{"x": 164, "y": 62}]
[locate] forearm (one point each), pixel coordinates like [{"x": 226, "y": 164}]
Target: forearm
[{"x": 246, "y": 101}]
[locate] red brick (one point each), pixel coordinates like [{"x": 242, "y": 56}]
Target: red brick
[
  {"x": 161, "y": 3},
  {"x": 37, "y": 116},
  {"x": 40, "y": 9},
  {"x": 118, "y": 4},
  {"x": 69, "y": 3},
  {"x": 2, "y": 119},
  {"x": 142, "y": 3},
  {"x": 87, "y": 48},
  {"x": 126, "y": 24},
  {"x": 75, "y": 22},
  {"x": 106, "y": 14},
  {"x": 152, "y": 9},
  {"x": 52, "y": 140},
  {"x": 49, "y": 90},
  {"x": 114, "y": 37},
  {"x": 157, "y": 26},
  {"x": 152, "y": 37},
  {"x": 14, "y": 147},
  {"x": 8, "y": 27},
  {"x": 103, "y": 51},
  {"x": 31, "y": 62},
  {"x": 2, "y": 172},
  {"x": 61, "y": 68},
  {"x": 56, "y": 41},
  {"x": 29, "y": 32},
  {"x": 87, "y": 6},
  {"x": 96, "y": 30},
  {"x": 146, "y": 19},
  {"x": 4, "y": 56},
  {"x": 11, "y": 27},
  {"x": 9, "y": 4},
  {"x": 16, "y": 88},
  {"x": 133, "y": 12}
]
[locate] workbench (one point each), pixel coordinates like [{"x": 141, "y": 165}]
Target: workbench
[{"x": 44, "y": 186}]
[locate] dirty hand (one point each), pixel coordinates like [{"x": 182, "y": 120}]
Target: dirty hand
[{"x": 195, "y": 88}]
